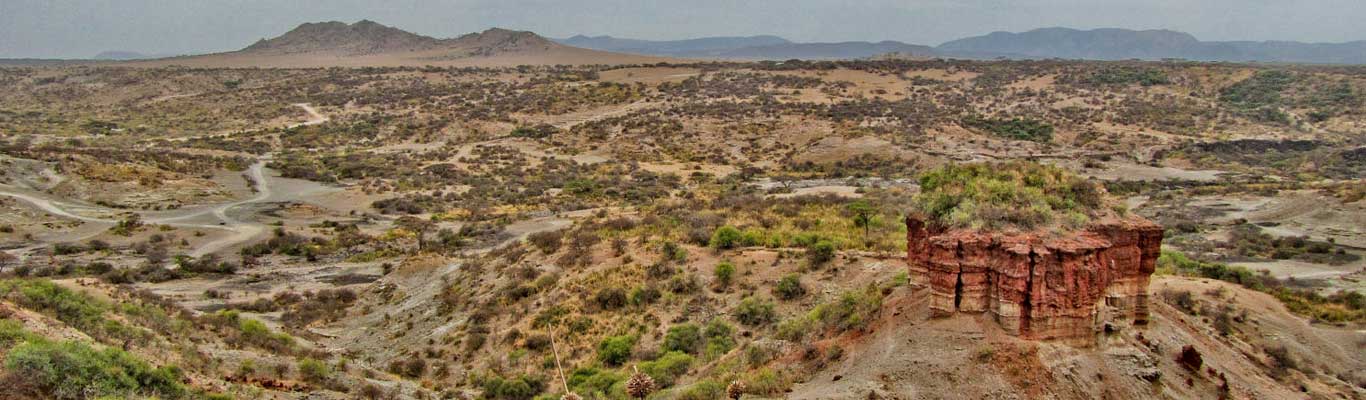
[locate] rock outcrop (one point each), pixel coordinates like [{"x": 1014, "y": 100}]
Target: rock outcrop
[{"x": 1040, "y": 286}]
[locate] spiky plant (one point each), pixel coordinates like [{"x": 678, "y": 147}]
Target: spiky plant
[
  {"x": 640, "y": 385},
  {"x": 735, "y": 390}
]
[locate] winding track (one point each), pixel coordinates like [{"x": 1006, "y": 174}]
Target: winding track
[{"x": 242, "y": 231}]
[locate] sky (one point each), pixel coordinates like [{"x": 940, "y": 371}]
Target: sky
[{"x": 83, "y": 28}]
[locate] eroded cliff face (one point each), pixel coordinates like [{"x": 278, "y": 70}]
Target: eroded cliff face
[{"x": 1038, "y": 286}]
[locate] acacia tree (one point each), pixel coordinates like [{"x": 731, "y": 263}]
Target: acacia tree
[{"x": 863, "y": 215}]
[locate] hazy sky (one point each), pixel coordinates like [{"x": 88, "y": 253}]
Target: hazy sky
[{"x": 82, "y": 28}]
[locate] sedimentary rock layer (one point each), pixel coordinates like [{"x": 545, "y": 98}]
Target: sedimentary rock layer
[{"x": 1038, "y": 285}]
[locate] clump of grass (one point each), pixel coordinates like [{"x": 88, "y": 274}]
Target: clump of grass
[{"x": 1016, "y": 194}]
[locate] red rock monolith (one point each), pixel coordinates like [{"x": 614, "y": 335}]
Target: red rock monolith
[{"x": 1039, "y": 285}]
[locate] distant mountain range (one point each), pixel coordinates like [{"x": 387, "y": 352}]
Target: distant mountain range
[
  {"x": 1123, "y": 44},
  {"x": 120, "y": 55},
  {"x": 1096, "y": 44},
  {"x": 704, "y": 47},
  {"x": 366, "y": 38},
  {"x": 764, "y": 47},
  {"x": 368, "y": 43}
]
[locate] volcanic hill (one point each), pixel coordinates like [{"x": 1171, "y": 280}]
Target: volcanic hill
[{"x": 371, "y": 44}]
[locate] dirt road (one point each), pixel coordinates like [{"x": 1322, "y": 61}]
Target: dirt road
[
  {"x": 314, "y": 117},
  {"x": 242, "y": 230}
]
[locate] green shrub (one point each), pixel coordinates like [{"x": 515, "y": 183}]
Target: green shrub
[
  {"x": 821, "y": 252},
  {"x": 258, "y": 334},
  {"x": 520, "y": 388},
  {"x": 726, "y": 237},
  {"x": 416, "y": 367},
  {"x": 1128, "y": 76},
  {"x": 13, "y": 332},
  {"x": 900, "y": 279},
  {"x": 666, "y": 369},
  {"x": 807, "y": 239},
  {"x": 702, "y": 390},
  {"x": 767, "y": 382},
  {"x": 535, "y": 132},
  {"x": 76, "y": 309},
  {"x": 615, "y": 350},
  {"x": 1015, "y": 128},
  {"x": 719, "y": 337},
  {"x": 789, "y": 287},
  {"x": 686, "y": 338},
  {"x": 724, "y": 273},
  {"x": 610, "y": 298},
  {"x": 594, "y": 383},
  {"x": 548, "y": 242},
  {"x": 853, "y": 310},
  {"x": 63, "y": 249},
  {"x": 73, "y": 370},
  {"x": 754, "y": 312},
  {"x": 581, "y": 187},
  {"x": 794, "y": 329},
  {"x": 753, "y": 237},
  {"x": 1261, "y": 90},
  {"x": 644, "y": 295},
  {"x": 673, "y": 252},
  {"x": 314, "y": 371},
  {"x": 127, "y": 226}
]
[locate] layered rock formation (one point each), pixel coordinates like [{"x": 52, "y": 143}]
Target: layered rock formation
[{"x": 1038, "y": 286}]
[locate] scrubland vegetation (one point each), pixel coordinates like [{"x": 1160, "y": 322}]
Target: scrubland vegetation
[
  {"x": 1008, "y": 195},
  {"x": 510, "y": 233}
]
